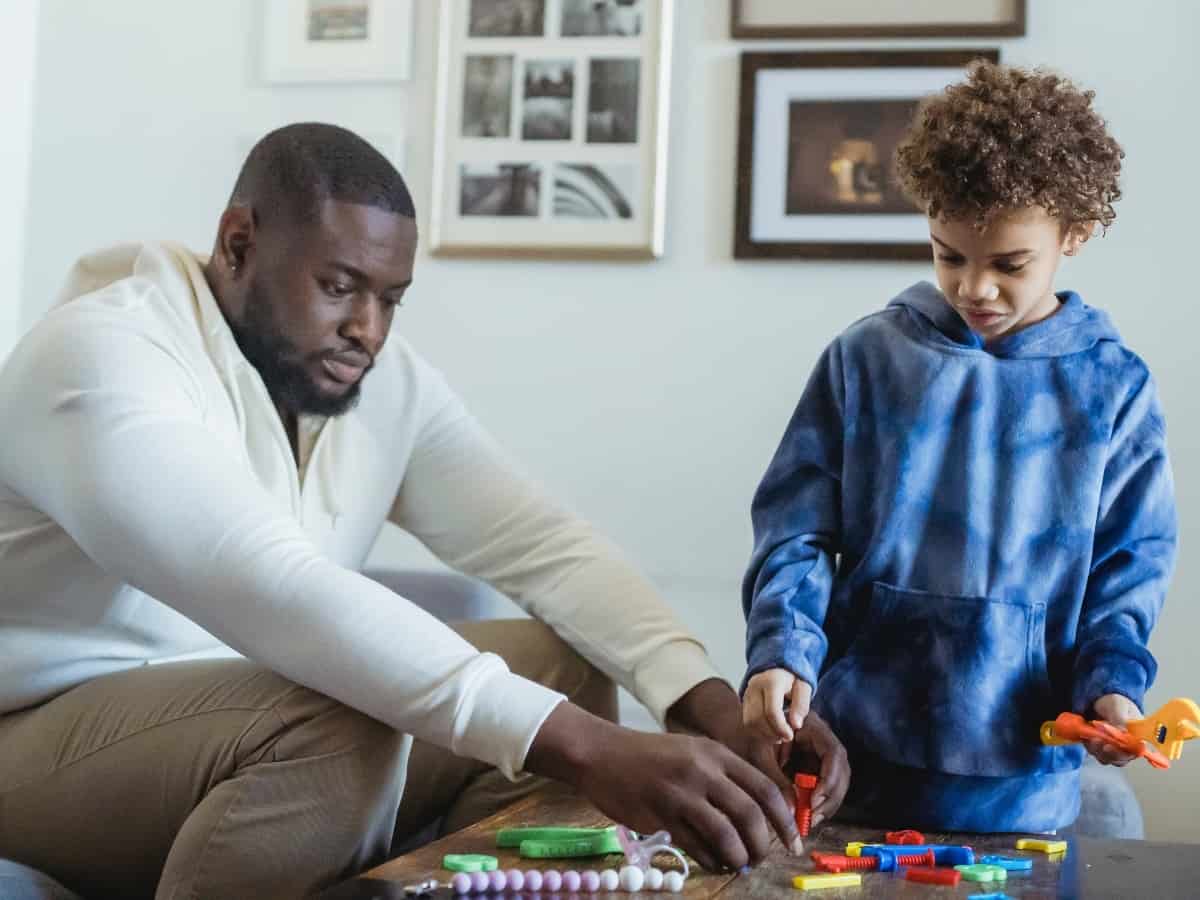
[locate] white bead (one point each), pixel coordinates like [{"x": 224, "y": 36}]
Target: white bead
[
  {"x": 654, "y": 880},
  {"x": 673, "y": 882},
  {"x": 609, "y": 880},
  {"x": 632, "y": 879}
]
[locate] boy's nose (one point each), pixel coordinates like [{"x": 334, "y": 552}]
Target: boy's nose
[{"x": 977, "y": 290}]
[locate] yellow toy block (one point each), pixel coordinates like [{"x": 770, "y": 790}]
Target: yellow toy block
[
  {"x": 854, "y": 848},
  {"x": 820, "y": 882},
  {"x": 1044, "y": 846}
]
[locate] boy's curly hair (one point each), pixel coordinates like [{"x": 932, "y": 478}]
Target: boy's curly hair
[{"x": 1007, "y": 139}]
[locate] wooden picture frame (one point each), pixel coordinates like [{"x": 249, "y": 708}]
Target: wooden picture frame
[
  {"x": 816, "y": 135},
  {"x": 551, "y": 129},
  {"x": 787, "y": 19}
]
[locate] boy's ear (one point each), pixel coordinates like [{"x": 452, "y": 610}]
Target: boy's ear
[{"x": 1076, "y": 237}]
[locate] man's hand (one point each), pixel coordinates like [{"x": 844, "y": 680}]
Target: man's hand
[
  {"x": 1116, "y": 709},
  {"x": 711, "y": 708},
  {"x": 717, "y": 807},
  {"x": 816, "y": 746},
  {"x": 763, "y": 704}
]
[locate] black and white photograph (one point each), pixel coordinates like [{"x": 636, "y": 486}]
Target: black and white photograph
[
  {"x": 602, "y": 18},
  {"x": 487, "y": 96},
  {"x": 612, "y": 112},
  {"x": 840, "y": 156},
  {"x": 338, "y": 20},
  {"x": 499, "y": 189},
  {"x": 507, "y": 18},
  {"x": 549, "y": 92},
  {"x": 593, "y": 191},
  {"x": 550, "y": 131}
]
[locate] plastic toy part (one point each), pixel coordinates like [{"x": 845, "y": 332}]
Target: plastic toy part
[
  {"x": 946, "y": 854},
  {"x": 822, "y": 881},
  {"x": 1070, "y": 728},
  {"x": 469, "y": 862},
  {"x": 639, "y": 853},
  {"x": 873, "y": 859},
  {"x": 630, "y": 878},
  {"x": 804, "y": 784},
  {"x": 989, "y": 897},
  {"x": 948, "y": 877},
  {"x": 1044, "y": 846},
  {"x": 1008, "y": 863},
  {"x": 907, "y": 836},
  {"x": 981, "y": 872},
  {"x": 560, "y": 843},
  {"x": 854, "y": 848},
  {"x": 1169, "y": 726}
]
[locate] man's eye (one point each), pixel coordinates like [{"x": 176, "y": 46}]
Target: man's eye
[{"x": 337, "y": 288}]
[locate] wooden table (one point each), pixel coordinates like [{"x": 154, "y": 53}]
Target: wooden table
[{"x": 1120, "y": 870}]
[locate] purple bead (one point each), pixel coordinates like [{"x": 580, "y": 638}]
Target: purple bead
[
  {"x": 497, "y": 880},
  {"x": 461, "y": 883},
  {"x": 516, "y": 879},
  {"x": 533, "y": 880},
  {"x": 552, "y": 880},
  {"x": 590, "y": 881},
  {"x": 571, "y": 881},
  {"x": 480, "y": 882}
]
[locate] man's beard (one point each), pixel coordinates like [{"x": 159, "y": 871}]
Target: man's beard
[{"x": 277, "y": 360}]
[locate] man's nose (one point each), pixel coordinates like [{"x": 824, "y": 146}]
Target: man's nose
[{"x": 366, "y": 324}]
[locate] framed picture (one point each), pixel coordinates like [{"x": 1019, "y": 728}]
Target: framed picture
[
  {"x": 876, "y": 18},
  {"x": 337, "y": 40},
  {"x": 551, "y": 131},
  {"x": 817, "y": 134}
]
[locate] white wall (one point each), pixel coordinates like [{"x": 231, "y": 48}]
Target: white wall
[
  {"x": 649, "y": 396},
  {"x": 18, "y": 45}
]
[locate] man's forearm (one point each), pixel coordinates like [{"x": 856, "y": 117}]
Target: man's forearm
[
  {"x": 567, "y": 743},
  {"x": 711, "y": 708}
]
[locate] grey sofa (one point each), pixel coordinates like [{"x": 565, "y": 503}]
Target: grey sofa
[{"x": 1108, "y": 805}]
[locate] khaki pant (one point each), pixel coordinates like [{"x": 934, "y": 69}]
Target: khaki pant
[{"x": 220, "y": 779}]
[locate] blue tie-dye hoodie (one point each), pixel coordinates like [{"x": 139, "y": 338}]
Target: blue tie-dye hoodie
[{"x": 957, "y": 541}]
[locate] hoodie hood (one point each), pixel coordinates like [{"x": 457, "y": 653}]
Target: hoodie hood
[{"x": 1075, "y": 327}]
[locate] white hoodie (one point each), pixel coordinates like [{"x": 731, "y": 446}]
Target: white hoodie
[{"x": 151, "y": 509}]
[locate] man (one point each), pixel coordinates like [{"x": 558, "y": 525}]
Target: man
[{"x": 197, "y": 459}]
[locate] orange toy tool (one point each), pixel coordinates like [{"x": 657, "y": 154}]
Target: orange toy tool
[{"x": 1177, "y": 721}]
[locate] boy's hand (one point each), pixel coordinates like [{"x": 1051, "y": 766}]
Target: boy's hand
[
  {"x": 1116, "y": 709},
  {"x": 763, "y": 704}
]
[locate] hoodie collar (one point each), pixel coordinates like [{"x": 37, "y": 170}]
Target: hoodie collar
[{"x": 1075, "y": 326}]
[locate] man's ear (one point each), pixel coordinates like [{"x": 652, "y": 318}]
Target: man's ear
[
  {"x": 235, "y": 238},
  {"x": 1077, "y": 236}
]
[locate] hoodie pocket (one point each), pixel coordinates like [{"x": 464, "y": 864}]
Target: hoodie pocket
[{"x": 945, "y": 683}]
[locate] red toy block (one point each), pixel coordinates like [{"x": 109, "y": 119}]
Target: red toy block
[
  {"x": 948, "y": 877},
  {"x": 907, "y": 836}
]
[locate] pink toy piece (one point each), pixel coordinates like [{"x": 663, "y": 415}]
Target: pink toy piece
[
  {"x": 571, "y": 881},
  {"x": 533, "y": 880},
  {"x": 640, "y": 851},
  {"x": 461, "y": 883},
  {"x": 590, "y": 881},
  {"x": 552, "y": 880}
]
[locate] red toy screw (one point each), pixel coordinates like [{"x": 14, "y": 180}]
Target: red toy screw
[{"x": 804, "y": 785}]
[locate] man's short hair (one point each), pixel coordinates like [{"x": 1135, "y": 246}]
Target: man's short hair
[{"x": 292, "y": 171}]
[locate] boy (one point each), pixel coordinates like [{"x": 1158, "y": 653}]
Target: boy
[{"x": 969, "y": 526}]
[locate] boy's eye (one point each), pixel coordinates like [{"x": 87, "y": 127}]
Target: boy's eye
[
  {"x": 337, "y": 288},
  {"x": 1009, "y": 268},
  {"x": 950, "y": 260}
]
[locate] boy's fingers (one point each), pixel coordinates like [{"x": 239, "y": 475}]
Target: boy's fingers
[{"x": 799, "y": 703}]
